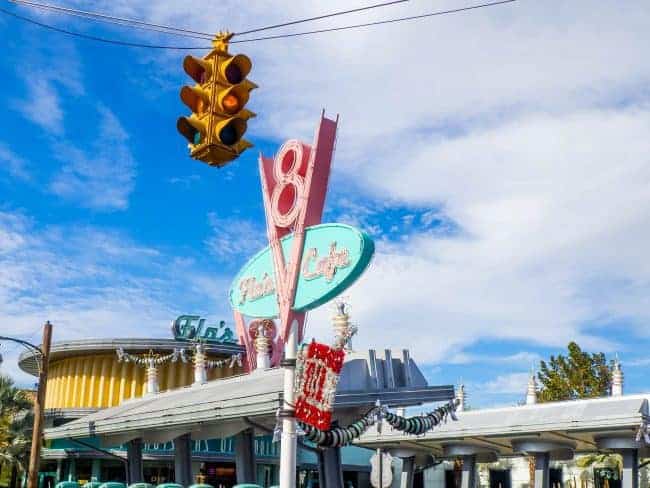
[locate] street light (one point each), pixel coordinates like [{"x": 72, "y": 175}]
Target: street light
[
  {"x": 29, "y": 346},
  {"x": 42, "y": 358}
]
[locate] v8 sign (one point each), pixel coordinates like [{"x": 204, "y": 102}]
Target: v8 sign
[{"x": 294, "y": 185}]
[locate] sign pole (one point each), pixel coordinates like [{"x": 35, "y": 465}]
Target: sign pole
[
  {"x": 39, "y": 407},
  {"x": 288, "y": 441}
]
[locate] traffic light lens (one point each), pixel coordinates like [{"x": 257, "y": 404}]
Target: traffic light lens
[
  {"x": 228, "y": 135},
  {"x": 197, "y": 138},
  {"x": 231, "y": 103},
  {"x": 233, "y": 74}
]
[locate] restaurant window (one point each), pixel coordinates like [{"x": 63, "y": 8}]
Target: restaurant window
[
  {"x": 499, "y": 478},
  {"x": 555, "y": 478}
]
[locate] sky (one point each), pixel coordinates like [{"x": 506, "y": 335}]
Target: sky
[{"x": 500, "y": 158}]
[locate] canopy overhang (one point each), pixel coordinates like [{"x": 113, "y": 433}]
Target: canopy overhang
[
  {"x": 580, "y": 426},
  {"x": 227, "y": 406}
]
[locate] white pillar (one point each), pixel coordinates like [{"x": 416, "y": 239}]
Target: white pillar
[
  {"x": 461, "y": 397},
  {"x": 200, "y": 373},
  {"x": 262, "y": 345},
  {"x": 531, "y": 392},
  {"x": 288, "y": 440},
  {"x": 343, "y": 331},
  {"x": 617, "y": 379},
  {"x": 152, "y": 379}
]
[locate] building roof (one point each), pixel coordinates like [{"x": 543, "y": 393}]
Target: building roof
[
  {"x": 221, "y": 407},
  {"x": 578, "y": 422},
  {"x": 64, "y": 349}
]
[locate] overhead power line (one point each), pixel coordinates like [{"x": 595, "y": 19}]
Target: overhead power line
[
  {"x": 320, "y": 17},
  {"x": 97, "y": 38},
  {"x": 278, "y": 36},
  {"x": 140, "y": 24},
  {"x": 379, "y": 22},
  {"x": 109, "y": 19}
]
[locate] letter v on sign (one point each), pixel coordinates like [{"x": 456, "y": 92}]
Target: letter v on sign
[{"x": 294, "y": 185}]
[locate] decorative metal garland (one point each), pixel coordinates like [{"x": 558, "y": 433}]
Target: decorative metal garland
[
  {"x": 151, "y": 359},
  {"x": 342, "y": 436},
  {"x": 220, "y": 363}
]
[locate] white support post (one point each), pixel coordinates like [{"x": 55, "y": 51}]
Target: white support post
[
  {"x": 262, "y": 345},
  {"x": 542, "y": 475},
  {"x": 200, "y": 372},
  {"x": 152, "y": 379},
  {"x": 630, "y": 468},
  {"x": 288, "y": 444}
]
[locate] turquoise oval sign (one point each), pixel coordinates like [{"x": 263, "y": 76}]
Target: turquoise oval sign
[{"x": 334, "y": 256}]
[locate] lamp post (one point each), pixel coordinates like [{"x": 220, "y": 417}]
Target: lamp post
[{"x": 37, "y": 432}]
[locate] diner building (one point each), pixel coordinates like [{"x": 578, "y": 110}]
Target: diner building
[{"x": 154, "y": 410}]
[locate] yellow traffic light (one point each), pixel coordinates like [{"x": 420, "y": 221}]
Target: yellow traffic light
[{"x": 215, "y": 129}]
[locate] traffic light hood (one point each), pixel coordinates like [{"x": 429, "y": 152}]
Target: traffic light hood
[
  {"x": 189, "y": 127},
  {"x": 236, "y": 69},
  {"x": 198, "y": 69},
  {"x": 196, "y": 98}
]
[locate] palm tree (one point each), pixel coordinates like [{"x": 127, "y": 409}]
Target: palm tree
[{"x": 16, "y": 420}]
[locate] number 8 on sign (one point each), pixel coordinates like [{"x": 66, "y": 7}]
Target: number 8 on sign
[{"x": 289, "y": 169}]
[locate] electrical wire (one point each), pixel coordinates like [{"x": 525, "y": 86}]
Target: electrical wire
[
  {"x": 100, "y": 39},
  {"x": 379, "y": 22},
  {"x": 116, "y": 20},
  {"x": 319, "y": 17},
  {"x": 254, "y": 39},
  {"x": 139, "y": 24}
]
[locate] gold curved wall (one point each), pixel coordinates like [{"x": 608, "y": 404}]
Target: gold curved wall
[{"x": 99, "y": 380}]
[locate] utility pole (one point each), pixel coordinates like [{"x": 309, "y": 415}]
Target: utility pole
[{"x": 39, "y": 407}]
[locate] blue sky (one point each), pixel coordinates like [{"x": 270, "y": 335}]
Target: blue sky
[{"x": 500, "y": 159}]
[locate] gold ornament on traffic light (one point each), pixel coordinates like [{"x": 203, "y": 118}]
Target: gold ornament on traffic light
[{"x": 215, "y": 129}]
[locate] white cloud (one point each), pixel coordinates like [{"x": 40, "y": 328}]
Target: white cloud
[
  {"x": 184, "y": 182},
  {"x": 92, "y": 283},
  {"x": 102, "y": 177},
  {"x": 554, "y": 237},
  {"x": 525, "y": 124},
  {"x": 57, "y": 73},
  {"x": 513, "y": 383},
  {"x": 13, "y": 164},
  {"x": 43, "y": 106},
  {"x": 521, "y": 358},
  {"x": 234, "y": 237}
]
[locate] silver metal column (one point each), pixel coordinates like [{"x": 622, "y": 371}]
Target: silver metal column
[
  {"x": 183, "y": 460},
  {"x": 329, "y": 467},
  {"x": 630, "y": 468},
  {"x": 542, "y": 475},
  {"x": 468, "y": 479},
  {"x": 408, "y": 471},
  {"x": 134, "y": 456},
  {"x": 245, "y": 457},
  {"x": 628, "y": 447}
]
